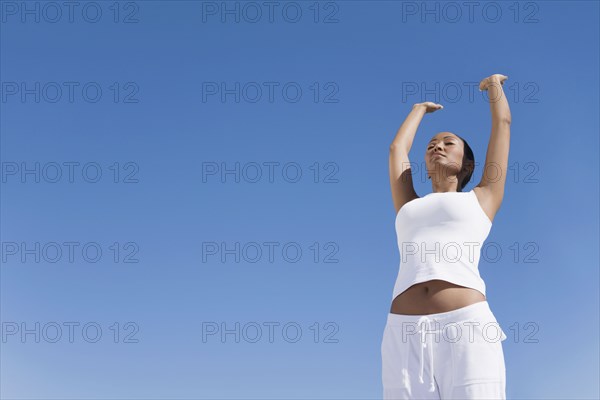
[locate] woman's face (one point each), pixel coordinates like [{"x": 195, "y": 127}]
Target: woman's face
[{"x": 444, "y": 153}]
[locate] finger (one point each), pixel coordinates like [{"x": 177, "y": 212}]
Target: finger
[{"x": 482, "y": 84}]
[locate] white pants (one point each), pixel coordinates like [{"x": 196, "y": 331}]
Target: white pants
[{"x": 451, "y": 355}]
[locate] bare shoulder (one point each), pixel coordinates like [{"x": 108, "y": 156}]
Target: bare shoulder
[{"x": 408, "y": 200}]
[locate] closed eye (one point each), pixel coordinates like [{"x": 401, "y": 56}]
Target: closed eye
[{"x": 444, "y": 143}]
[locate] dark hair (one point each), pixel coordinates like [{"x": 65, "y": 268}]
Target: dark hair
[{"x": 468, "y": 155}]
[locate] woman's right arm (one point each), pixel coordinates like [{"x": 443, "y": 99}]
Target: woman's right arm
[{"x": 400, "y": 172}]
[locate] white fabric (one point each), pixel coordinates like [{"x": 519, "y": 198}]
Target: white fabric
[
  {"x": 440, "y": 236},
  {"x": 464, "y": 357}
]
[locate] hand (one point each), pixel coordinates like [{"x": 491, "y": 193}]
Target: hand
[
  {"x": 492, "y": 80},
  {"x": 429, "y": 106}
]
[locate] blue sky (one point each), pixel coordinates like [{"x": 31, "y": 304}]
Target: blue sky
[{"x": 192, "y": 169}]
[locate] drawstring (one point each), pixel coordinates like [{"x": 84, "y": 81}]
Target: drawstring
[{"x": 424, "y": 331}]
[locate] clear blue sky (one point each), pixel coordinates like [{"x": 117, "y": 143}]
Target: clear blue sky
[{"x": 167, "y": 135}]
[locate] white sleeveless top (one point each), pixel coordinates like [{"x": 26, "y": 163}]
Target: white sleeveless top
[{"x": 440, "y": 236}]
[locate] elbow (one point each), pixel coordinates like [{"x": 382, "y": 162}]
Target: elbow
[
  {"x": 505, "y": 119},
  {"x": 394, "y": 147},
  {"x": 501, "y": 121},
  {"x": 502, "y": 117}
]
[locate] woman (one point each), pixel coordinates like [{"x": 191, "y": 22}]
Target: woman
[{"x": 441, "y": 340}]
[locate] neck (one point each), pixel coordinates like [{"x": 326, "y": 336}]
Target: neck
[{"x": 443, "y": 187}]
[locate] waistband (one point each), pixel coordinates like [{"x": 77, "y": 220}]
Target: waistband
[
  {"x": 448, "y": 316},
  {"x": 481, "y": 308}
]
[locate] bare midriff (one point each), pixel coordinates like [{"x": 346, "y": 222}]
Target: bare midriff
[{"x": 434, "y": 296}]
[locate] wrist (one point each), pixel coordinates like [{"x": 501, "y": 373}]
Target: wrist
[{"x": 495, "y": 82}]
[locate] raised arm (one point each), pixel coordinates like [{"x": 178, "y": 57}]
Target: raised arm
[
  {"x": 400, "y": 172},
  {"x": 496, "y": 159}
]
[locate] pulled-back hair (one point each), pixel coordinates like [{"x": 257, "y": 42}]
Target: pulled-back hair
[{"x": 468, "y": 155}]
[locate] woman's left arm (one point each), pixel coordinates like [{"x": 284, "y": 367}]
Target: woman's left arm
[{"x": 496, "y": 159}]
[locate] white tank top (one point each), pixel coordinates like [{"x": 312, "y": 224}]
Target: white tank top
[{"x": 440, "y": 236}]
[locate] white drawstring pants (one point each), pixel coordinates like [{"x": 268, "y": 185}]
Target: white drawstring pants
[{"x": 453, "y": 355}]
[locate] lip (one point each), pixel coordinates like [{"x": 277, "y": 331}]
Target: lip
[{"x": 438, "y": 154}]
